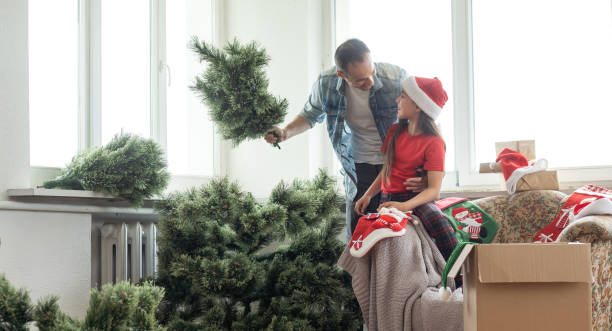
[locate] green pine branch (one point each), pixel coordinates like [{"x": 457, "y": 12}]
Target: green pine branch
[
  {"x": 115, "y": 307},
  {"x": 235, "y": 88},
  {"x": 128, "y": 166},
  {"x": 209, "y": 258}
]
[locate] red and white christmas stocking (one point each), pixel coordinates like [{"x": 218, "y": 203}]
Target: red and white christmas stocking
[
  {"x": 587, "y": 200},
  {"x": 373, "y": 227}
]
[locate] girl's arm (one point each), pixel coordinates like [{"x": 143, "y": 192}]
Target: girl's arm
[
  {"x": 364, "y": 201},
  {"x": 431, "y": 193}
]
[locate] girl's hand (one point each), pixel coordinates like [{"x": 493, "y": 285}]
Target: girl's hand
[
  {"x": 401, "y": 206},
  {"x": 362, "y": 204}
]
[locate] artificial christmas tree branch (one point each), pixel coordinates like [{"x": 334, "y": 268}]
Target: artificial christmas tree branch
[
  {"x": 216, "y": 275},
  {"x": 121, "y": 306},
  {"x": 128, "y": 166},
  {"x": 235, "y": 88}
]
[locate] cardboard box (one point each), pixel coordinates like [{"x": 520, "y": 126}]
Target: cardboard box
[
  {"x": 541, "y": 180},
  {"x": 485, "y": 168},
  {"x": 527, "y": 287},
  {"x": 525, "y": 147}
]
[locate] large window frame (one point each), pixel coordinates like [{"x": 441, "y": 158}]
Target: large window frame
[
  {"x": 89, "y": 85},
  {"x": 465, "y": 176}
]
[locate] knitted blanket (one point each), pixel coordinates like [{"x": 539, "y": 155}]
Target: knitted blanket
[{"x": 396, "y": 284}]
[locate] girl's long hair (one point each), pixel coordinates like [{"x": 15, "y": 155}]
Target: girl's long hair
[{"x": 425, "y": 124}]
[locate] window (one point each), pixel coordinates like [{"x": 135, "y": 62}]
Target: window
[
  {"x": 514, "y": 70},
  {"x": 190, "y": 131},
  {"x": 415, "y": 35},
  {"x": 125, "y": 68},
  {"x": 53, "y": 88},
  {"x": 548, "y": 78},
  {"x": 99, "y": 68}
]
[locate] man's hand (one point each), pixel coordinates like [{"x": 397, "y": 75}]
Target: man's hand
[
  {"x": 281, "y": 135},
  {"x": 416, "y": 184}
]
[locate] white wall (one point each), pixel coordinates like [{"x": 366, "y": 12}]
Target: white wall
[
  {"x": 48, "y": 254},
  {"x": 291, "y": 31},
  {"x": 14, "y": 132}
]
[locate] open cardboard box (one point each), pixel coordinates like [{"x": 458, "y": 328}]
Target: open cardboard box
[{"x": 526, "y": 286}]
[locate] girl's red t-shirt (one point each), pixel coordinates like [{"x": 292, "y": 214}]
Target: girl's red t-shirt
[{"x": 410, "y": 153}]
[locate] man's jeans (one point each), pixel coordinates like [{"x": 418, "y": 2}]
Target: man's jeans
[{"x": 366, "y": 174}]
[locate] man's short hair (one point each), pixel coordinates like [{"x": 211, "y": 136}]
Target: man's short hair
[{"x": 352, "y": 50}]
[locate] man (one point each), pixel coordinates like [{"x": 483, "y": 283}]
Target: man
[{"x": 357, "y": 96}]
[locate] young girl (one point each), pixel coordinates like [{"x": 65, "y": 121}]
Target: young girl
[{"x": 411, "y": 146}]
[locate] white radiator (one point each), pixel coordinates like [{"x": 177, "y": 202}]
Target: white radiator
[{"x": 128, "y": 251}]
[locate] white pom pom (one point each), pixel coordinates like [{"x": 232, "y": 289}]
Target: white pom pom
[{"x": 445, "y": 293}]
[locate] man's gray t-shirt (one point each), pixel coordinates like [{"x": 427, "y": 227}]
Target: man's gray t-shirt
[{"x": 366, "y": 140}]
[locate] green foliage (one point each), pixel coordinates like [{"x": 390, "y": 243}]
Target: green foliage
[
  {"x": 121, "y": 306},
  {"x": 235, "y": 88},
  {"x": 128, "y": 166},
  {"x": 49, "y": 317},
  {"x": 15, "y": 307},
  {"x": 217, "y": 277},
  {"x": 306, "y": 202}
]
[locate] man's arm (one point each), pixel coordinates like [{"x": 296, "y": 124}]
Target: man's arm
[{"x": 295, "y": 127}]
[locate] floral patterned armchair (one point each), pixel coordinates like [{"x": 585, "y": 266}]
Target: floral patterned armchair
[{"x": 522, "y": 215}]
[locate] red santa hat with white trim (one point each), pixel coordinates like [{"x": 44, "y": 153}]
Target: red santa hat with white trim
[
  {"x": 514, "y": 166},
  {"x": 427, "y": 93}
]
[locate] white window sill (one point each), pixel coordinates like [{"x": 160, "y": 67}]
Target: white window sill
[{"x": 76, "y": 201}]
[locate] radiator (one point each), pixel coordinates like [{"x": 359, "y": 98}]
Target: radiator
[{"x": 128, "y": 251}]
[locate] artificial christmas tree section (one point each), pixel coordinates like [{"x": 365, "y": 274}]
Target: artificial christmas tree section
[
  {"x": 129, "y": 166},
  {"x": 527, "y": 287},
  {"x": 235, "y": 88},
  {"x": 216, "y": 277},
  {"x": 121, "y": 306}
]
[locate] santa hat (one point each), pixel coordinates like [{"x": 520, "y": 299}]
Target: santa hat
[
  {"x": 514, "y": 165},
  {"x": 373, "y": 227},
  {"x": 427, "y": 93},
  {"x": 511, "y": 160}
]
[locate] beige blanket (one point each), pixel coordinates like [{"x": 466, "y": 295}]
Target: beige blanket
[{"x": 396, "y": 284}]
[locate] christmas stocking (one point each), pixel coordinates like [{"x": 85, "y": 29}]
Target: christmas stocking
[
  {"x": 371, "y": 228},
  {"x": 472, "y": 226},
  {"x": 587, "y": 200},
  {"x": 470, "y": 222}
]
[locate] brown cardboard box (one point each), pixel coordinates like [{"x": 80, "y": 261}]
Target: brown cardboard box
[
  {"x": 525, "y": 147},
  {"x": 485, "y": 168},
  {"x": 527, "y": 287},
  {"x": 541, "y": 180}
]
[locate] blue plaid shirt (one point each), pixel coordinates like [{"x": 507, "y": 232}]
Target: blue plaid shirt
[{"x": 327, "y": 99}]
